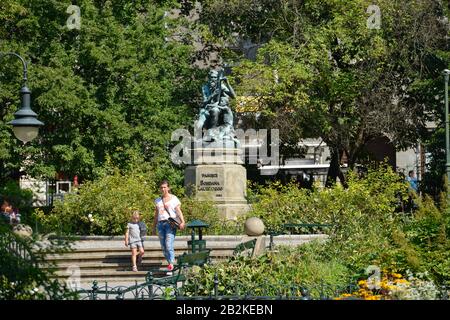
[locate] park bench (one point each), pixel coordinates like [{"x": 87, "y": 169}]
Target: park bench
[
  {"x": 184, "y": 261},
  {"x": 296, "y": 228},
  {"x": 248, "y": 246}
]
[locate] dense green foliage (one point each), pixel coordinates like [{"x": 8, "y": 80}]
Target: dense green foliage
[
  {"x": 368, "y": 232},
  {"x": 272, "y": 273},
  {"x": 21, "y": 199},
  {"x": 428, "y": 234},
  {"x": 207, "y": 211},
  {"x": 337, "y": 77},
  {"x": 116, "y": 87},
  {"x": 432, "y": 182},
  {"x": 104, "y": 206},
  {"x": 112, "y": 92},
  {"x": 23, "y": 278}
]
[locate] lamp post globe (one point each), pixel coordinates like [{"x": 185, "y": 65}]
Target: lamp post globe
[{"x": 25, "y": 124}]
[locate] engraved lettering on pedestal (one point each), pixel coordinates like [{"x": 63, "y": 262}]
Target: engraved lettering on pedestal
[{"x": 210, "y": 182}]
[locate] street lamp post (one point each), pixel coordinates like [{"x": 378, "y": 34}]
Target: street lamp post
[
  {"x": 447, "y": 142},
  {"x": 25, "y": 124}
]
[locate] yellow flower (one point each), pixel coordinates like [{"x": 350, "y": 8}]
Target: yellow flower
[
  {"x": 362, "y": 282},
  {"x": 377, "y": 297},
  {"x": 346, "y": 295},
  {"x": 402, "y": 281},
  {"x": 342, "y": 296}
]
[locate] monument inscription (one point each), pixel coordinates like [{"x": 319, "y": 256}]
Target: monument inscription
[{"x": 210, "y": 182}]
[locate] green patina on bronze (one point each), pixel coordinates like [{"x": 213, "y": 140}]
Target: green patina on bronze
[{"x": 216, "y": 116}]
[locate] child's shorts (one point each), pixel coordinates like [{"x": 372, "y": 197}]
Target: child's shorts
[{"x": 137, "y": 245}]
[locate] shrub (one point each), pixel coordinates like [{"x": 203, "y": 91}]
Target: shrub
[
  {"x": 367, "y": 229},
  {"x": 207, "y": 212},
  {"x": 429, "y": 233},
  {"x": 22, "y": 199},
  {"x": 393, "y": 286},
  {"x": 273, "y": 273},
  {"x": 104, "y": 206},
  {"x": 23, "y": 277},
  {"x": 363, "y": 214}
]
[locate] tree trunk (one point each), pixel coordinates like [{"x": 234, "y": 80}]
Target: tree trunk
[{"x": 335, "y": 171}]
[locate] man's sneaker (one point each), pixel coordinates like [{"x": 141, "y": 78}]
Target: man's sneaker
[{"x": 170, "y": 267}]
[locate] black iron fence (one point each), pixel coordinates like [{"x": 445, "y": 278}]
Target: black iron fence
[
  {"x": 17, "y": 247},
  {"x": 220, "y": 291},
  {"x": 192, "y": 291}
]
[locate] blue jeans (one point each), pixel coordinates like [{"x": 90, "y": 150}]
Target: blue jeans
[{"x": 166, "y": 238}]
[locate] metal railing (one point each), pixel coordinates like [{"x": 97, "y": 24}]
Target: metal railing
[
  {"x": 16, "y": 246},
  {"x": 237, "y": 291},
  {"x": 287, "y": 291}
]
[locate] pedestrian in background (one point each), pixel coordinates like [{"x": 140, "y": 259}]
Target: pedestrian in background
[
  {"x": 134, "y": 240},
  {"x": 167, "y": 206}
]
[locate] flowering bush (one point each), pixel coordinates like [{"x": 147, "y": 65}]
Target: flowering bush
[
  {"x": 393, "y": 286},
  {"x": 367, "y": 229},
  {"x": 363, "y": 215}
]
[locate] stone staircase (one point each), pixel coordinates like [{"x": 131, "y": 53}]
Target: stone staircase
[{"x": 106, "y": 259}]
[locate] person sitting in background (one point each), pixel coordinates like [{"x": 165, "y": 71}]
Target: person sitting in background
[
  {"x": 412, "y": 181},
  {"x": 4, "y": 216},
  {"x": 8, "y": 213}
]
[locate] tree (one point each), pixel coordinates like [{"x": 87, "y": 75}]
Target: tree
[
  {"x": 336, "y": 75},
  {"x": 115, "y": 87},
  {"x": 25, "y": 272}
]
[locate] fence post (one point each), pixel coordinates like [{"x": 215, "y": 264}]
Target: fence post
[
  {"x": 106, "y": 290},
  {"x": 136, "y": 292},
  {"x": 149, "y": 280},
  {"x": 444, "y": 293},
  {"x": 216, "y": 285},
  {"x": 94, "y": 290},
  {"x": 305, "y": 294}
]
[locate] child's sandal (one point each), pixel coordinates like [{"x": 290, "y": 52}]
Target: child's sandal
[{"x": 135, "y": 269}]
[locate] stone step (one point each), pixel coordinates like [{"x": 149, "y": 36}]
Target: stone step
[
  {"x": 118, "y": 241},
  {"x": 97, "y": 274},
  {"x": 114, "y": 247},
  {"x": 146, "y": 249},
  {"x": 111, "y": 283},
  {"x": 118, "y": 266},
  {"x": 107, "y": 259},
  {"x": 213, "y": 241},
  {"x": 87, "y": 283},
  {"x": 120, "y": 256}
]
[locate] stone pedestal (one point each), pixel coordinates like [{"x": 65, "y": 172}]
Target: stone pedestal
[
  {"x": 218, "y": 176},
  {"x": 219, "y": 155}
]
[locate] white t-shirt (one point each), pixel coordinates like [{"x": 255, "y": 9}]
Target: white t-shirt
[{"x": 170, "y": 205}]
